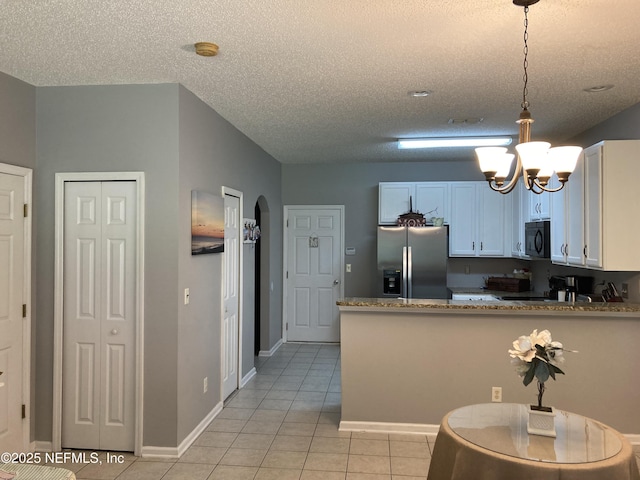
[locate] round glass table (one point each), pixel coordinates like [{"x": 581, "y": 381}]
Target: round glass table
[{"x": 490, "y": 441}]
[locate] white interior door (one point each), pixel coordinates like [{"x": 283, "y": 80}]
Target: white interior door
[
  {"x": 11, "y": 300},
  {"x": 314, "y": 273},
  {"x": 230, "y": 317},
  {"x": 98, "y": 397}
]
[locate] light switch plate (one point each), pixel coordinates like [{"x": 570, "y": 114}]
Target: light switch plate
[{"x": 186, "y": 296}]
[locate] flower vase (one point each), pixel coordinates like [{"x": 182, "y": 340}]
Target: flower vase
[{"x": 541, "y": 421}]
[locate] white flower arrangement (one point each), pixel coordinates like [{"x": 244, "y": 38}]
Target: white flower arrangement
[{"x": 537, "y": 355}]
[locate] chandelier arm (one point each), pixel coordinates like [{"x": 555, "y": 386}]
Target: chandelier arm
[
  {"x": 547, "y": 189},
  {"x": 508, "y": 188}
]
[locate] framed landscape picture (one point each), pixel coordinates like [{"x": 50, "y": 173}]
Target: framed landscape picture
[{"x": 207, "y": 223}]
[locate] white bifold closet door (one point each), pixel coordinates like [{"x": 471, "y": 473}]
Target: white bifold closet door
[{"x": 99, "y": 316}]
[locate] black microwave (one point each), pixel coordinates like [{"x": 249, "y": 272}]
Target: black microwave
[{"x": 537, "y": 239}]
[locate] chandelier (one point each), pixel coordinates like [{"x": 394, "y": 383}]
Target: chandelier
[{"x": 535, "y": 161}]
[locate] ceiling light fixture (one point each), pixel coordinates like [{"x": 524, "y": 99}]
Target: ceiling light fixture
[
  {"x": 406, "y": 143},
  {"x": 536, "y": 161}
]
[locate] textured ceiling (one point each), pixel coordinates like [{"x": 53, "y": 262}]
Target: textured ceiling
[{"x": 327, "y": 80}]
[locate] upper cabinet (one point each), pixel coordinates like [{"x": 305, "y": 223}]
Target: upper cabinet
[
  {"x": 568, "y": 219},
  {"x": 428, "y": 198},
  {"x": 592, "y": 217},
  {"x": 393, "y": 200},
  {"x": 480, "y": 221},
  {"x": 611, "y": 198},
  {"x": 519, "y": 216},
  {"x": 539, "y": 206}
]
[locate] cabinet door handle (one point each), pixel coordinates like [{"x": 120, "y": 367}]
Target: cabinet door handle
[
  {"x": 584, "y": 251},
  {"x": 481, "y": 246},
  {"x": 473, "y": 245}
]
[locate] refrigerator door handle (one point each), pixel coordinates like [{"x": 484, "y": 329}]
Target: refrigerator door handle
[
  {"x": 409, "y": 269},
  {"x": 404, "y": 291}
]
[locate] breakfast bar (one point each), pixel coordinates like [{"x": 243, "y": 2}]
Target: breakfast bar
[{"x": 406, "y": 363}]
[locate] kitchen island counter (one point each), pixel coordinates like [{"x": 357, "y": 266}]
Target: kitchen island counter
[
  {"x": 503, "y": 305},
  {"x": 406, "y": 363}
]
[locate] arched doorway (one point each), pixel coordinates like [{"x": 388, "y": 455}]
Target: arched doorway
[{"x": 262, "y": 306}]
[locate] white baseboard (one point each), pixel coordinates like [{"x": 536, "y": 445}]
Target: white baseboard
[
  {"x": 176, "y": 452},
  {"x": 268, "y": 353},
  {"x": 634, "y": 438},
  {"x": 422, "y": 429},
  {"x": 252, "y": 373},
  {"x": 386, "y": 427},
  {"x": 41, "y": 446}
]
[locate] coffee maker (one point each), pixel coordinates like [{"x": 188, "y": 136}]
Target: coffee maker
[{"x": 573, "y": 285}]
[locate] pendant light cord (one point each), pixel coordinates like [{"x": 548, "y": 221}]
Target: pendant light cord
[{"x": 525, "y": 77}]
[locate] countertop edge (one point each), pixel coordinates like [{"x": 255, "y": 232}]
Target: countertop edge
[{"x": 418, "y": 305}]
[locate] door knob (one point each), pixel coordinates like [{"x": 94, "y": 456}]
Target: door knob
[
  {"x": 335, "y": 282},
  {"x": 114, "y": 332}
]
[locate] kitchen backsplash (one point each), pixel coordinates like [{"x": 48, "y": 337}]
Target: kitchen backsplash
[{"x": 472, "y": 272}]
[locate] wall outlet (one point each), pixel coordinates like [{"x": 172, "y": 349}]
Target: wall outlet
[
  {"x": 496, "y": 394},
  {"x": 205, "y": 385},
  {"x": 348, "y": 268}
]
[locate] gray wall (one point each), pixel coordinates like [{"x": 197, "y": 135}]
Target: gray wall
[
  {"x": 116, "y": 128},
  {"x": 181, "y": 145},
  {"x": 213, "y": 154},
  {"x": 17, "y": 122}
]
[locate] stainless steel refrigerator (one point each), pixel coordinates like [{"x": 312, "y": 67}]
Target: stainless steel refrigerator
[{"x": 412, "y": 262}]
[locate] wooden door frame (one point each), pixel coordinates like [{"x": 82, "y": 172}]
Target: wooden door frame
[
  {"x": 58, "y": 323},
  {"x": 285, "y": 249},
  {"x": 27, "y": 176},
  {"x": 240, "y": 196}
]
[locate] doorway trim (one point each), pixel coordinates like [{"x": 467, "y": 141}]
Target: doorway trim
[
  {"x": 27, "y": 176},
  {"x": 240, "y": 196},
  {"x": 58, "y": 330}
]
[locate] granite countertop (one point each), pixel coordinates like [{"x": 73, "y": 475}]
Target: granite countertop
[{"x": 476, "y": 305}]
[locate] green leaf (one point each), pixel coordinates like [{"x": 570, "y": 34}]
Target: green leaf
[
  {"x": 542, "y": 372},
  {"x": 555, "y": 369},
  {"x": 528, "y": 377}
]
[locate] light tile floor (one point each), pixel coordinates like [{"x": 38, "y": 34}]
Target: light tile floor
[{"x": 283, "y": 425}]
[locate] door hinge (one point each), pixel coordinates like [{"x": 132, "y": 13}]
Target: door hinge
[
  {"x": 287, "y": 326},
  {"x": 287, "y": 274},
  {"x": 26, "y": 210},
  {"x": 24, "y": 310},
  {"x": 24, "y": 411}
]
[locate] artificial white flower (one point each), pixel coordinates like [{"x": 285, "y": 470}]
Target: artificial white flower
[{"x": 523, "y": 349}]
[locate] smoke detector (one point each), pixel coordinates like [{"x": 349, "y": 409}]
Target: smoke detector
[{"x": 206, "y": 49}]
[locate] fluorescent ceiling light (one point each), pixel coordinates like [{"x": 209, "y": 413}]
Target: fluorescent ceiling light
[{"x": 453, "y": 142}]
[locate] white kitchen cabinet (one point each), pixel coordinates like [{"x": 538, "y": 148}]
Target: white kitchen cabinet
[
  {"x": 519, "y": 216},
  {"x": 567, "y": 219},
  {"x": 558, "y": 225},
  {"x": 393, "y": 200},
  {"x": 539, "y": 206},
  {"x": 432, "y": 199},
  {"x": 593, "y": 206},
  {"x": 428, "y": 198},
  {"x": 592, "y": 219},
  {"x": 480, "y": 221},
  {"x": 611, "y": 201}
]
